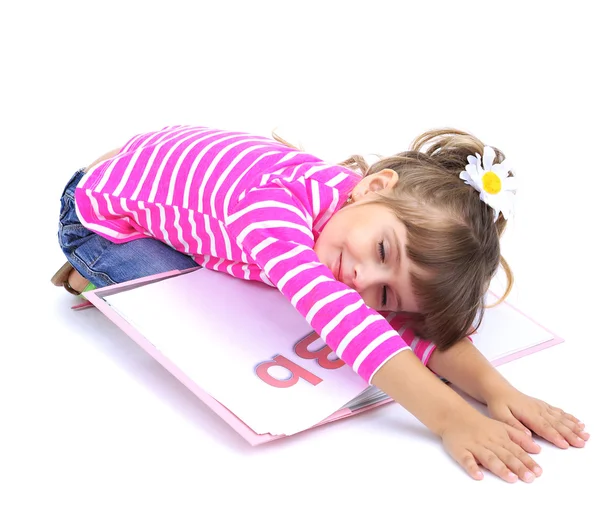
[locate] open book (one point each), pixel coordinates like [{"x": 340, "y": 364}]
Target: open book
[{"x": 244, "y": 349}]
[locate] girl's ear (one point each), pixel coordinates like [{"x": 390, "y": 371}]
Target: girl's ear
[{"x": 382, "y": 181}]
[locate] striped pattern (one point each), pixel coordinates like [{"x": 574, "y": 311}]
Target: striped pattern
[{"x": 248, "y": 206}]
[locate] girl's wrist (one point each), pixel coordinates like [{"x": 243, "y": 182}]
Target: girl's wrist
[
  {"x": 496, "y": 387},
  {"x": 405, "y": 379}
]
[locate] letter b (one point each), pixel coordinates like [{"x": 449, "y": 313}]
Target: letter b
[{"x": 297, "y": 372}]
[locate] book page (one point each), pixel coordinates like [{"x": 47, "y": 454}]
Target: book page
[
  {"x": 247, "y": 346},
  {"x": 244, "y": 344},
  {"x": 504, "y": 331}
]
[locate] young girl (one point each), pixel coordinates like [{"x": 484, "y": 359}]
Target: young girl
[{"x": 417, "y": 233}]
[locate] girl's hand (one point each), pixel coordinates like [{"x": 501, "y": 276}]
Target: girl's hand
[
  {"x": 524, "y": 412},
  {"x": 500, "y": 448}
]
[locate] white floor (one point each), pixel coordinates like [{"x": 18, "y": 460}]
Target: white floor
[{"x": 91, "y": 425}]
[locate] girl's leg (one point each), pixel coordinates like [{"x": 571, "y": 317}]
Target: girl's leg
[{"x": 104, "y": 263}]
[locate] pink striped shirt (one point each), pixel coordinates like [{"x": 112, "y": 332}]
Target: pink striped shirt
[{"x": 253, "y": 208}]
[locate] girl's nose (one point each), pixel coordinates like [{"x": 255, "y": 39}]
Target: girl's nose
[
  {"x": 357, "y": 279},
  {"x": 367, "y": 281},
  {"x": 365, "y": 276}
]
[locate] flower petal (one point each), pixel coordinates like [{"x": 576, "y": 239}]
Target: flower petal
[
  {"x": 488, "y": 158},
  {"x": 507, "y": 165},
  {"x": 507, "y": 209},
  {"x": 493, "y": 201},
  {"x": 464, "y": 175},
  {"x": 510, "y": 183},
  {"x": 474, "y": 171},
  {"x": 485, "y": 197},
  {"x": 505, "y": 203},
  {"x": 501, "y": 170}
]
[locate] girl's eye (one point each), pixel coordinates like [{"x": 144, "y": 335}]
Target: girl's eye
[
  {"x": 381, "y": 251},
  {"x": 384, "y": 290},
  {"x": 384, "y": 296}
]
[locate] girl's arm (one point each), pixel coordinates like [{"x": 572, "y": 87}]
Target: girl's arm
[
  {"x": 272, "y": 226},
  {"x": 464, "y": 366},
  {"x": 468, "y": 436},
  {"x": 406, "y": 380}
]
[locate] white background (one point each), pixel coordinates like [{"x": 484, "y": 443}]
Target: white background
[{"x": 91, "y": 425}]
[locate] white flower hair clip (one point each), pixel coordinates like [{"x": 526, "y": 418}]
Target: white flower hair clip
[{"x": 491, "y": 180}]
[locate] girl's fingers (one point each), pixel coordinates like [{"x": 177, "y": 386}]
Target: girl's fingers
[
  {"x": 523, "y": 440},
  {"x": 571, "y": 437},
  {"x": 506, "y": 416},
  {"x": 515, "y": 423},
  {"x": 469, "y": 464},
  {"x": 561, "y": 414},
  {"x": 571, "y": 425},
  {"x": 493, "y": 463},
  {"x": 544, "y": 429},
  {"x": 575, "y": 427},
  {"x": 511, "y": 457},
  {"x": 529, "y": 463},
  {"x": 574, "y": 420}
]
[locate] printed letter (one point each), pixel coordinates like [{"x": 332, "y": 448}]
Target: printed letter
[
  {"x": 297, "y": 372},
  {"x": 321, "y": 354}
]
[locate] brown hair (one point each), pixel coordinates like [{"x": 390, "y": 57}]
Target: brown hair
[{"x": 451, "y": 234}]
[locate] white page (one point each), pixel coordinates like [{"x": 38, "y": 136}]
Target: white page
[
  {"x": 236, "y": 337},
  {"x": 504, "y": 330},
  {"x": 217, "y": 329}
]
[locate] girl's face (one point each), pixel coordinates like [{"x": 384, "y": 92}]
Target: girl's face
[{"x": 363, "y": 245}]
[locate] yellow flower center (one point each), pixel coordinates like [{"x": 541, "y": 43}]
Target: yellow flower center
[{"x": 492, "y": 184}]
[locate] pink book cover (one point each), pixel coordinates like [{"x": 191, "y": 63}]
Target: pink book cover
[{"x": 95, "y": 298}]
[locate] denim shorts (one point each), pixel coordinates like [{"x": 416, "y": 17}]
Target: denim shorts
[{"x": 103, "y": 262}]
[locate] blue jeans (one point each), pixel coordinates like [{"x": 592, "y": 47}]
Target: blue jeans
[{"x": 104, "y": 263}]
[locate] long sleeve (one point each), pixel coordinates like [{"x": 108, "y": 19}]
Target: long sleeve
[
  {"x": 273, "y": 227},
  {"x": 247, "y": 206},
  {"x": 421, "y": 347}
]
